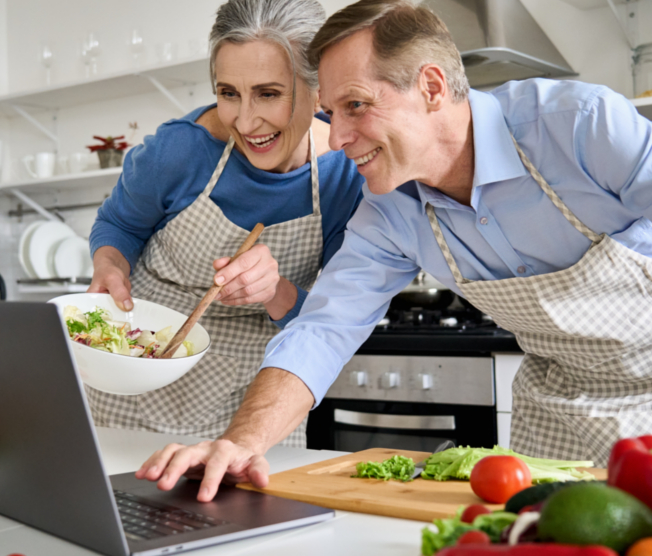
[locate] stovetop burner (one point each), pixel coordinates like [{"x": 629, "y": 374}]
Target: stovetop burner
[{"x": 445, "y": 321}]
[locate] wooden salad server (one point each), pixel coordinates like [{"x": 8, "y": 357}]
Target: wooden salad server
[{"x": 180, "y": 336}]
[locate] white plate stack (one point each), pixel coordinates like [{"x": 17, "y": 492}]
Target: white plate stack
[{"x": 51, "y": 249}]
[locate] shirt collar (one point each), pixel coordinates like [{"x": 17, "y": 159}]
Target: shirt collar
[{"x": 496, "y": 158}]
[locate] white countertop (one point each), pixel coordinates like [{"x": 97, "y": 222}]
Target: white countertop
[{"x": 347, "y": 534}]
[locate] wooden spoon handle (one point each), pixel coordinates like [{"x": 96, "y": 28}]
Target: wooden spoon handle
[{"x": 208, "y": 298}]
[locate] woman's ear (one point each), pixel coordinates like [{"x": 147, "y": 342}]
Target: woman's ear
[
  {"x": 317, "y": 102},
  {"x": 432, "y": 82}
]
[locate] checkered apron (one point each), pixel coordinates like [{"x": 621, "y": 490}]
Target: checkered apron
[
  {"x": 586, "y": 378},
  {"x": 175, "y": 270}
]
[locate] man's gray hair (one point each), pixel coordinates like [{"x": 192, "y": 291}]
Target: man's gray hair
[
  {"x": 406, "y": 36},
  {"x": 291, "y": 24}
]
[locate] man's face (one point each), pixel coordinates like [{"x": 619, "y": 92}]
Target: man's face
[{"x": 378, "y": 126}]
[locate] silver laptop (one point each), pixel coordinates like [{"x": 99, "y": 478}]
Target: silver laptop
[{"x": 52, "y": 477}]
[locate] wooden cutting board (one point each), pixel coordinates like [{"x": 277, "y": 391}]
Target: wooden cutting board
[{"x": 329, "y": 484}]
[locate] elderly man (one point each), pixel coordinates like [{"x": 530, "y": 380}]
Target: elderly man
[{"x": 532, "y": 201}]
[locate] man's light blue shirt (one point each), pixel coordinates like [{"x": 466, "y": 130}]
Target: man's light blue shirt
[{"x": 588, "y": 142}]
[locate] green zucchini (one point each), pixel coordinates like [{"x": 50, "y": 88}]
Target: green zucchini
[{"x": 533, "y": 495}]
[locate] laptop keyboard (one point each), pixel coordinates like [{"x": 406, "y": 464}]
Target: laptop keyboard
[{"x": 143, "y": 519}]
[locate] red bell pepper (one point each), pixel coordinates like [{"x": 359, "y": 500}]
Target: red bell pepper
[
  {"x": 630, "y": 467},
  {"x": 526, "y": 549}
]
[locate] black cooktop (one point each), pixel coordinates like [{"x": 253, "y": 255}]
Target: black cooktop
[{"x": 464, "y": 331}]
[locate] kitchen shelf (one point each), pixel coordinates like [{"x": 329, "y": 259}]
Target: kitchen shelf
[
  {"x": 644, "y": 106},
  {"x": 590, "y": 4},
  {"x": 106, "y": 177},
  {"x": 116, "y": 85},
  {"x": 53, "y": 289}
]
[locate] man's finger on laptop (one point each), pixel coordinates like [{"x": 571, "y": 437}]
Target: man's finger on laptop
[
  {"x": 186, "y": 458},
  {"x": 215, "y": 469},
  {"x": 158, "y": 462}
]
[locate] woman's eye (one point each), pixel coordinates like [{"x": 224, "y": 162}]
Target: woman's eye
[
  {"x": 268, "y": 94},
  {"x": 228, "y": 94},
  {"x": 355, "y": 105}
]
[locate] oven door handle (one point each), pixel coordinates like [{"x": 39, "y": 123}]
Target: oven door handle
[{"x": 383, "y": 421}]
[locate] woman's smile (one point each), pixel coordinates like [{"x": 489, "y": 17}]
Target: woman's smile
[{"x": 262, "y": 143}]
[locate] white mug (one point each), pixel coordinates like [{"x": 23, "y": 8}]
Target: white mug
[
  {"x": 44, "y": 167},
  {"x": 78, "y": 162}
]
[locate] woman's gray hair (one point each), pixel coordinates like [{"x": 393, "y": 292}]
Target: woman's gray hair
[{"x": 291, "y": 24}]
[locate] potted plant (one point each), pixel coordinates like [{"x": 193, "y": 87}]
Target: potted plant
[{"x": 110, "y": 150}]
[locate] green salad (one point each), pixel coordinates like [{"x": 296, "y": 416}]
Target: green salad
[{"x": 98, "y": 330}]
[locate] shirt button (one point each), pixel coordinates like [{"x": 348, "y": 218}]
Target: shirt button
[
  {"x": 484, "y": 220},
  {"x": 521, "y": 270}
]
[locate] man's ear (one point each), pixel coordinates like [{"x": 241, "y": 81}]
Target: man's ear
[{"x": 433, "y": 86}]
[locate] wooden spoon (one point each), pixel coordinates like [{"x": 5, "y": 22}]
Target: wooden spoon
[{"x": 180, "y": 336}]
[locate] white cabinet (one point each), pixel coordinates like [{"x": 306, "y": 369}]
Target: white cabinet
[{"x": 505, "y": 367}]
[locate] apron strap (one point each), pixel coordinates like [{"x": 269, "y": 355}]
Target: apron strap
[
  {"x": 568, "y": 214},
  {"x": 439, "y": 236},
  {"x": 314, "y": 176},
  {"x": 219, "y": 168}
]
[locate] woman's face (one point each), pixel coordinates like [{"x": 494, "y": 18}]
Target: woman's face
[{"x": 254, "y": 102}]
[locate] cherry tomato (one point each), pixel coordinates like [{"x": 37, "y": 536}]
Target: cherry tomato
[
  {"x": 474, "y": 537},
  {"x": 473, "y": 511},
  {"x": 497, "y": 478}
]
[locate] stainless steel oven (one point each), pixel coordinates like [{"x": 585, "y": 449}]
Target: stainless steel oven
[
  {"x": 426, "y": 374},
  {"x": 407, "y": 402}
]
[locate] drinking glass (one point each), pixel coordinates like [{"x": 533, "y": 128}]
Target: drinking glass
[
  {"x": 136, "y": 46},
  {"x": 46, "y": 56},
  {"x": 89, "y": 53}
]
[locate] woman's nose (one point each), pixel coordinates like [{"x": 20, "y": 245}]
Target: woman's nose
[{"x": 248, "y": 120}]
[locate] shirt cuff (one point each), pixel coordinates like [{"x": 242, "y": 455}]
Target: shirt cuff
[
  {"x": 301, "y": 297},
  {"x": 132, "y": 255},
  {"x": 306, "y": 356}
]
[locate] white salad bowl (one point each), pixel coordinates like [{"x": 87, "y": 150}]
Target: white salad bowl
[{"x": 121, "y": 374}]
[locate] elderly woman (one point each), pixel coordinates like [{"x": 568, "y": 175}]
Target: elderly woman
[{"x": 193, "y": 191}]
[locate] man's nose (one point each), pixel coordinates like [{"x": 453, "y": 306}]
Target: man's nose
[{"x": 340, "y": 135}]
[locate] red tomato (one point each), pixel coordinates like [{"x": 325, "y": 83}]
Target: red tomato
[
  {"x": 647, "y": 440},
  {"x": 497, "y": 478},
  {"x": 474, "y": 537},
  {"x": 473, "y": 511}
]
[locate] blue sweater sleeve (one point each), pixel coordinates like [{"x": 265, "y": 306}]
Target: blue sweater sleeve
[{"x": 139, "y": 201}]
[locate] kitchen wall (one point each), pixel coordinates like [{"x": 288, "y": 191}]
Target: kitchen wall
[{"x": 590, "y": 40}]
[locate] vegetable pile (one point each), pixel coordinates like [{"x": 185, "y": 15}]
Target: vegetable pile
[
  {"x": 571, "y": 518},
  {"x": 396, "y": 467},
  {"x": 96, "y": 329}
]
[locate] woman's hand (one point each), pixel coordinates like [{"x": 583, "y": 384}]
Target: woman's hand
[
  {"x": 111, "y": 275},
  {"x": 252, "y": 278},
  {"x": 211, "y": 462}
]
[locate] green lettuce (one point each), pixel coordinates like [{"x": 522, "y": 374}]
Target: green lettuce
[
  {"x": 457, "y": 463},
  {"x": 396, "y": 467}
]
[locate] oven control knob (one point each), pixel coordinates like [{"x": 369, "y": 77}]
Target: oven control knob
[
  {"x": 389, "y": 380},
  {"x": 426, "y": 381},
  {"x": 358, "y": 378}
]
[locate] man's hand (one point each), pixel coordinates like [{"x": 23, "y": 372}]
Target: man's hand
[
  {"x": 212, "y": 462},
  {"x": 111, "y": 275},
  {"x": 274, "y": 405}
]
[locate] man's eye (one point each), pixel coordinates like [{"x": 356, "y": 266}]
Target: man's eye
[{"x": 355, "y": 104}]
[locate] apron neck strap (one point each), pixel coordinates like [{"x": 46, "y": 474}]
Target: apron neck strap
[
  {"x": 314, "y": 176},
  {"x": 568, "y": 214},
  {"x": 219, "y": 168}
]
